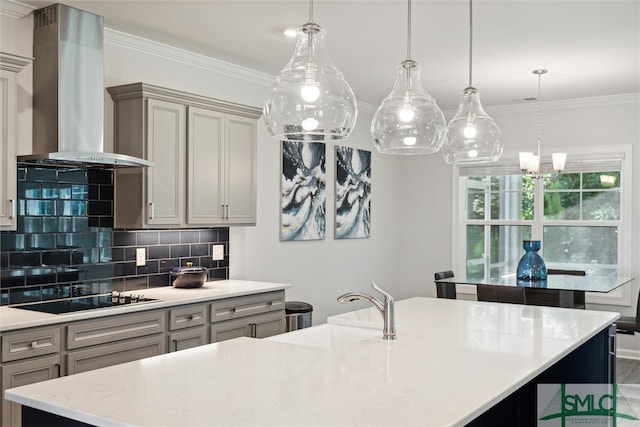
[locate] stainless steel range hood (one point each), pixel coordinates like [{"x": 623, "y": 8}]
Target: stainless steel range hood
[{"x": 68, "y": 91}]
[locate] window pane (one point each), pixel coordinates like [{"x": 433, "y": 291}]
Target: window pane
[
  {"x": 564, "y": 181},
  {"x": 502, "y": 252},
  {"x": 561, "y": 205},
  {"x": 600, "y": 180},
  {"x": 475, "y": 251},
  {"x": 512, "y": 205},
  {"x": 601, "y": 205},
  {"x": 586, "y": 247},
  {"x": 475, "y": 206}
]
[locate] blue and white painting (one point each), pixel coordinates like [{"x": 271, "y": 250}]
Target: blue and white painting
[
  {"x": 303, "y": 191},
  {"x": 353, "y": 193}
]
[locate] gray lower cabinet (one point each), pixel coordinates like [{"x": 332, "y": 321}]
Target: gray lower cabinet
[
  {"x": 39, "y": 354},
  {"x": 102, "y": 356},
  {"x": 27, "y": 357},
  {"x": 24, "y": 373},
  {"x": 188, "y": 327},
  {"x": 188, "y": 338},
  {"x": 99, "y": 343},
  {"x": 259, "y": 326}
]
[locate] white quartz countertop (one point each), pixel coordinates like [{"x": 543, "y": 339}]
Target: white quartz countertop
[
  {"x": 452, "y": 361},
  {"x": 12, "y": 318}
]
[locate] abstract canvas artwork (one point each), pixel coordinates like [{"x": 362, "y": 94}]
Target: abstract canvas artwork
[
  {"x": 303, "y": 191},
  {"x": 353, "y": 193}
]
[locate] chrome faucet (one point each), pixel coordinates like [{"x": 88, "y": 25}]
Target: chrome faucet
[{"x": 386, "y": 309}]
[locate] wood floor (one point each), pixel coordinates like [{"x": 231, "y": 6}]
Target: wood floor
[{"x": 627, "y": 371}]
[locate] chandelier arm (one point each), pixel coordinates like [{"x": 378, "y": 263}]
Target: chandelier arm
[{"x": 470, "y": 41}]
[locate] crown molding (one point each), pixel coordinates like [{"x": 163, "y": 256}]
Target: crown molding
[
  {"x": 14, "y": 9},
  {"x": 128, "y": 41},
  {"x": 565, "y": 104}
]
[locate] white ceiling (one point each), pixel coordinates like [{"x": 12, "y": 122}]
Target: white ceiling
[{"x": 590, "y": 47}]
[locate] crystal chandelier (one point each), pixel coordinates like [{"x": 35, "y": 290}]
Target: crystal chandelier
[
  {"x": 472, "y": 136},
  {"x": 530, "y": 162},
  {"x": 408, "y": 122},
  {"x": 310, "y": 99}
]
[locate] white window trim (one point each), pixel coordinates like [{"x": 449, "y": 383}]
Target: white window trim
[{"x": 622, "y": 295}]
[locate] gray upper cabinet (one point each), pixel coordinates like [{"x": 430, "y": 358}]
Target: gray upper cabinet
[
  {"x": 204, "y": 155},
  {"x": 10, "y": 65}
]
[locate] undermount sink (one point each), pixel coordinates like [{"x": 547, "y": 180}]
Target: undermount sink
[{"x": 327, "y": 336}]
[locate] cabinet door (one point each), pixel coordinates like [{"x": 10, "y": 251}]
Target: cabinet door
[
  {"x": 102, "y": 356},
  {"x": 260, "y": 326},
  {"x": 205, "y": 152},
  {"x": 267, "y": 325},
  {"x": 8, "y": 140},
  {"x": 241, "y": 170},
  {"x": 166, "y": 136},
  {"x": 231, "y": 329},
  {"x": 24, "y": 373},
  {"x": 188, "y": 338}
]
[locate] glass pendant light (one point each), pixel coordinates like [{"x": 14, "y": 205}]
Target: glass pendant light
[
  {"x": 530, "y": 162},
  {"x": 472, "y": 136},
  {"x": 310, "y": 99},
  {"x": 408, "y": 121}
]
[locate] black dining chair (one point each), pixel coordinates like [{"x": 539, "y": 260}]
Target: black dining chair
[
  {"x": 506, "y": 294},
  {"x": 628, "y": 325},
  {"x": 445, "y": 290}
]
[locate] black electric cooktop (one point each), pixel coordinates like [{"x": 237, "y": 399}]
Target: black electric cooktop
[{"x": 82, "y": 304}]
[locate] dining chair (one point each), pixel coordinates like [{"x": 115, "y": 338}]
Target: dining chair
[
  {"x": 445, "y": 290},
  {"x": 506, "y": 294},
  {"x": 628, "y": 325}
]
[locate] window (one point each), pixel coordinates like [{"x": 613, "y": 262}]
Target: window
[{"x": 581, "y": 216}]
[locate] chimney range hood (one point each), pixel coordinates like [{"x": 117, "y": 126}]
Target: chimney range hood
[{"x": 68, "y": 91}]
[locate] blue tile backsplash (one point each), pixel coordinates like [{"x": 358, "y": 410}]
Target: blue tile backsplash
[{"x": 65, "y": 244}]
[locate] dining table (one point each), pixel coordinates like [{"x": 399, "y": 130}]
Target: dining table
[{"x": 558, "y": 290}]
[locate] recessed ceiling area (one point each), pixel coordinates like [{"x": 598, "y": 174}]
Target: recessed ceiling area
[{"x": 590, "y": 47}]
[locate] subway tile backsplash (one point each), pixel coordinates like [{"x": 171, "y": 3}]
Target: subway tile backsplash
[{"x": 65, "y": 244}]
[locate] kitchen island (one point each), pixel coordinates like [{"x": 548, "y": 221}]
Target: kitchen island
[{"x": 454, "y": 363}]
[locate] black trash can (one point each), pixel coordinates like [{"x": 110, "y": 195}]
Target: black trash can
[{"x": 297, "y": 315}]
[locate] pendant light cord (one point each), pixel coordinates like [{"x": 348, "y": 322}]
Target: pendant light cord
[
  {"x": 409, "y": 29},
  {"x": 539, "y": 72},
  {"x": 310, "y": 10},
  {"x": 470, "y": 41}
]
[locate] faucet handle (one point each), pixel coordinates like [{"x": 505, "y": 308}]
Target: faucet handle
[{"x": 385, "y": 294}]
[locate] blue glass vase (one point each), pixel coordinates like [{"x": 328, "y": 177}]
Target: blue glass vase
[{"x": 531, "y": 265}]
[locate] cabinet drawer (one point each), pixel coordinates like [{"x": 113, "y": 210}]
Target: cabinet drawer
[
  {"x": 186, "y": 317},
  {"x": 114, "y": 328},
  {"x": 38, "y": 342},
  {"x": 114, "y": 354},
  {"x": 233, "y": 308}
]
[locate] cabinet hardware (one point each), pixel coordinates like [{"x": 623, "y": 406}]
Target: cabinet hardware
[
  {"x": 57, "y": 366},
  {"x": 175, "y": 345},
  {"x": 190, "y": 317},
  {"x": 152, "y": 211},
  {"x": 612, "y": 342},
  {"x": 34, "y": 344},
  {"x": 252, "y": 330},
  {"x": 12, "y": 209}
]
